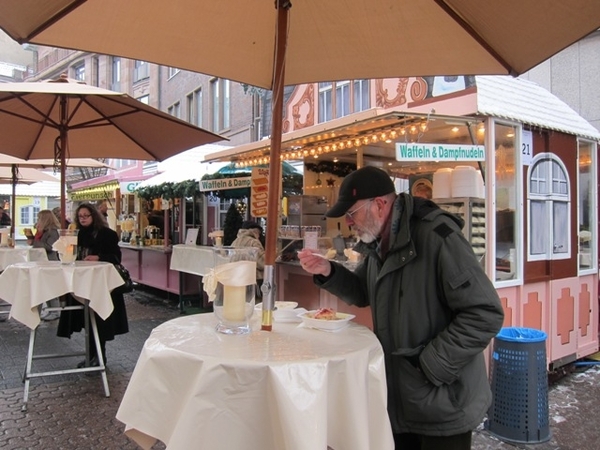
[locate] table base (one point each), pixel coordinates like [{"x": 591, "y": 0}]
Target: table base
[{"x": 90, "y": 320}]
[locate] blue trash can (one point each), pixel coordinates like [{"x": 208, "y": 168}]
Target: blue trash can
[{"x": 519, "y": 381}]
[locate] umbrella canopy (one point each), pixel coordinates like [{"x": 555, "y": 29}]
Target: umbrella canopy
[
  {"x": 24, "y": 175},
  {"x": 272, "y": 44},
  {"x": 326, "y": 40},
  {"x": 23, "y": 170},
  {"x": 46, "y": 163},
  {"x": 61, "y": 119}
]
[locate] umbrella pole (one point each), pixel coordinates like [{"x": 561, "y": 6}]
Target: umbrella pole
[
  {"x": 61, "y": 154},
  {"x": 13, "y": 205},
  {"x": 268, "y": 287}
]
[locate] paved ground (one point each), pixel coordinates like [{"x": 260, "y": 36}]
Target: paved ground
[{"x": 71, "y": 412}]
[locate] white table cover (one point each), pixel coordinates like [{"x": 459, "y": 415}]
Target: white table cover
[
  {"x": 292, "y": 388},
  {"x": 13, "y": 255},
  {"x": 27, "y": 285},
  {"x": 194, "y": 259}
]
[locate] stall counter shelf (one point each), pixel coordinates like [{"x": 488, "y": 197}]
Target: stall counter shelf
[
  {"x": 150, "y": 265},
  {"x": 296, "y": 285}
]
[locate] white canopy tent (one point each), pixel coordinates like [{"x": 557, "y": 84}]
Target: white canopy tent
[{"x": 185, "y": 166}]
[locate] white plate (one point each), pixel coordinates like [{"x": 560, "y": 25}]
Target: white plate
[
  {"x": 280, "y": 305},
  {"x": 288, "y": 315},
  {"x": 342, "y": 321}
]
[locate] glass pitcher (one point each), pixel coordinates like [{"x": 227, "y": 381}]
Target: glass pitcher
[
  {"x": 66, "y": 246},
  {"x": 234, "y": 281}
]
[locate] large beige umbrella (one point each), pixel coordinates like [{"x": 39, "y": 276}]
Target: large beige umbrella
[
  {"x": 271, "y": 43},
  {"x": 63, "y": 119}
]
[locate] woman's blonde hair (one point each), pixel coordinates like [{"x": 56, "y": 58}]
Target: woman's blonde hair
[{"x": 47, "y": 220}]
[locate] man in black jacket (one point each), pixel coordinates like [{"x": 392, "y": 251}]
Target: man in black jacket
[{"x": 434, "y": 309}]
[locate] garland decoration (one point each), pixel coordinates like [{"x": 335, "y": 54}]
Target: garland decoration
[
  {"x": 339, "y": 169},
  {"x": 292, "y": 185}
]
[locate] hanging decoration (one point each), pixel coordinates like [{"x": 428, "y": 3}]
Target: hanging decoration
[{"x": 339, "y": 169}]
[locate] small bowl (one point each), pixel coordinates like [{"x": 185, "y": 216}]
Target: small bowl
[{"x": 342, "y": 321}]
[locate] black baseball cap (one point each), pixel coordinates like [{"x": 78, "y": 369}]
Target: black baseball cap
[{"x": 364, "y": 183}]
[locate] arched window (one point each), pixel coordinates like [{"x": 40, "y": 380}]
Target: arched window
[{"x": 549, "y": 209}]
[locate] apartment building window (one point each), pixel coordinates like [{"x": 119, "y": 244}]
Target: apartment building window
[
  {"x": 342, "y": 98},
  {"x": 145, "y": 99},
  {"x": 79, "y": 72},
  {"x": 115, "y": 75},
  {"x": 194, "y": 107},
  {"x": 121, "y": 163},
  {"x": 175, "y": 110},
  {"x": 360, "y": 89},
  {"x": 173, "y": 71},
  {"x": 140, "y": 71},
  {"x": 221, "y": 100}
]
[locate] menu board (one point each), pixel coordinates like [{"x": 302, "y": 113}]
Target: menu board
[{"x": 259, "y": 192}]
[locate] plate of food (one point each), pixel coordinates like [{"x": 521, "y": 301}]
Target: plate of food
[{"x": 326, "y": 319}]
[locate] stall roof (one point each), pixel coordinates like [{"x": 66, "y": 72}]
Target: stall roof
[
  {"x": 185, "y": 166},
  {"x": 503, "y": 97},
  {"x": 524, "y": 101}
]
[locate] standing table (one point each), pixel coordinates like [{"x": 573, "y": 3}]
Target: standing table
[
  {"x": 27, "y": 285},
  {"x": 292, "y": 388},
  {"x": 12, "y": 255}
]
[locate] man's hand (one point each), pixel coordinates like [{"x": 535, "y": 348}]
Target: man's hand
[{"x": 314, "y": 263}]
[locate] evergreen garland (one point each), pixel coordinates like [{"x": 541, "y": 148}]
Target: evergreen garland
[
  {"x": 339, "y": 169},
  {"x": 292, "y": 185}
]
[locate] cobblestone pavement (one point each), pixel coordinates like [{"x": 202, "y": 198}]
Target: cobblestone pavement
[{"x": 71, "y": 412}]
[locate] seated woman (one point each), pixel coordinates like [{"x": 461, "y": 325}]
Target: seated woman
[
  {"x": 46, "y": 234},
  {"x": 96, "y": 242}
]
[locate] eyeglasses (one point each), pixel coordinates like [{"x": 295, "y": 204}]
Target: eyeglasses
[
  {"x": 84, "y": 216},
  {"x": 350, "y": 214}
]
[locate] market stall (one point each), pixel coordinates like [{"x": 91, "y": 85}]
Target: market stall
[{"x": 515, "y": 162}]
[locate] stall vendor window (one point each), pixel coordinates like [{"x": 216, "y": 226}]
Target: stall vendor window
[
  {"x": 549, "y": 209},
  {"x": 587, "y": 206},
  {"x": 506, "y": 201}
]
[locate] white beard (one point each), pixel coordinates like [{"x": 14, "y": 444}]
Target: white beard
[{"x": 370, "y": 230}]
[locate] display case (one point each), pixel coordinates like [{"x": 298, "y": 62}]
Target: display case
[{"x": 472, "y": 211}]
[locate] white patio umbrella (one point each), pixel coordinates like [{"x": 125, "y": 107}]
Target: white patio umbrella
[{"x": 14, "y": 175}]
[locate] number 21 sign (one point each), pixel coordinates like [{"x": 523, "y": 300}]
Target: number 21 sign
[{"x": 526, "y": 147}]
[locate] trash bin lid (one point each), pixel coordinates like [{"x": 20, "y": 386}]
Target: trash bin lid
[{"x": 516, "y": 334}]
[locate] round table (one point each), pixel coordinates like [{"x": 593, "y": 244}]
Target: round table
[{"x": 292, "y": 388}]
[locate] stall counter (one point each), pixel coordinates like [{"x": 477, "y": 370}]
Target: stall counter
[
  {"x": 295, "y": 284},
  {"x": 150, "y": 266}
]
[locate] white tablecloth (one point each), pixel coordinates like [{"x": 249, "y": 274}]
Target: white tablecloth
[
  {"x": 292, "y": 388},
  {"x": 13, "y": 255},
  {"x": 194, "y": 259},
  {"x": 27, "y": 285}
]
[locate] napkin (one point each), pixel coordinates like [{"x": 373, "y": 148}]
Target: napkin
[{"x": 239, "y": 273}]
